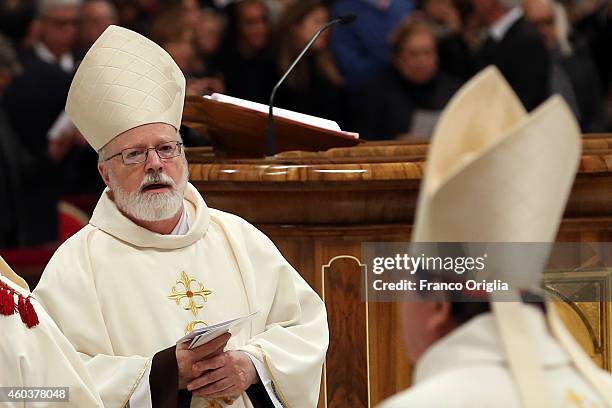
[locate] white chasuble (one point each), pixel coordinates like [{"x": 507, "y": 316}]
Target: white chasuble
[
  {"x": 38, "y": 355},
  {"x": 117, "y": 290}
]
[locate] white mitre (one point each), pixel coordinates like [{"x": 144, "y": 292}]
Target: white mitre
[
  {"x": 497, "y": 174},
  {"x": 124, "y": 81}
]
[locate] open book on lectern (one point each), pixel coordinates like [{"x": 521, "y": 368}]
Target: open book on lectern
[
  {"x": 238, "y": 127},
  {"x": 282, "y": 113}
]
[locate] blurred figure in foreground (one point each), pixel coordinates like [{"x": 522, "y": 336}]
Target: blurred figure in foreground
[{"x": 487, "y": 348}]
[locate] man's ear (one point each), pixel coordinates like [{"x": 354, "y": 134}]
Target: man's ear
[
  {"x": 440, "y": 320},
  {"x": 103, "y": 172}
]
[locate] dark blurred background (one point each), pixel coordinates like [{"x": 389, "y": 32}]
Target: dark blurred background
[{"x": 386, "y": 76}]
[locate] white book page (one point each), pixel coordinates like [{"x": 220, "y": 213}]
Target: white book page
[
  {"x": 282, "y": 113},
  {"x": 204, "y": 335}
]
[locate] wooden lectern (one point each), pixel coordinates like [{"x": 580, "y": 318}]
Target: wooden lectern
[{"x": 318, "y": 208}]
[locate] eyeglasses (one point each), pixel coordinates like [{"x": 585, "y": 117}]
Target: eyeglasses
[{"x": 136, "y": 155}]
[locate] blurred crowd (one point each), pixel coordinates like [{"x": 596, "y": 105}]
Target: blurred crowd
[{"x": 386, "y": 76}]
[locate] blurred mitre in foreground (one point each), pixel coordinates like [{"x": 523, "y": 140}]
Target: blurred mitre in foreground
[{"x": 496, "y": 174}]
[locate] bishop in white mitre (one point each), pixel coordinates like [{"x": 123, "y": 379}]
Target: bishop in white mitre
[
  {"x": 155, "y": 263},
  {"x": 34, "y": 353},
  {"x": 496, "y": 174}
]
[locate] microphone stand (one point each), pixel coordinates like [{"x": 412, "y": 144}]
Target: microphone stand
[{"x": 271, "y": 140}]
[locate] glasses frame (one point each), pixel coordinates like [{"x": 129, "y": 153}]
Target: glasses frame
[{"x": 146, "y": 156}]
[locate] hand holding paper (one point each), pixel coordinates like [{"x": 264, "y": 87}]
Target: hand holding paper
[
  {"x": 225, "y": 375},
  {"x": 202, "y": 336},
  {"x": 186, "y": 359},
  {"x": 202, "y": 361}
]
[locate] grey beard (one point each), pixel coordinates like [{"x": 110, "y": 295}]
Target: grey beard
[{"x": 150, "y": 207}]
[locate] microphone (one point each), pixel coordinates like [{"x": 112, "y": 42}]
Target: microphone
[
  {"x": 347, "y": 18},
  {"x": 271, "y": 140}
]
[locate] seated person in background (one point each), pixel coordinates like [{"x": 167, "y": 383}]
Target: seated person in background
[
  {"x": 32, "y": 103},
  {"x": 361, "y": 48},
  {"x": 15, "y": 160},
  {"x": 315, "y": 86},
  {"x": 459, "y": 35},
  {"x": 412, "y": 83},
  {"x": 96, "y": 16},
  {"x": 208, "y": 34},
  {"x": 245, "y": 58},
  {"x": 171, "y": 31},
  {"x": 516, "y": 48},
  {"x": 155, "y": 262}
]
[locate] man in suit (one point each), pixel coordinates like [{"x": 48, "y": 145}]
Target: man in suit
[
  {"x": 516, "y": 48},
  {"x": 33, "y": 103},
  {"x": 14, "y": 159},
  {"x": 574, "y": 73}
]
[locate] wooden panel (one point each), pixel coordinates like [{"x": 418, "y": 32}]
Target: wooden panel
[
  {"x": 347, "y": 371},
  {"x": 588, "y": 321},
  {"x": 308, "y": 249},
  {"x": 390, "y": 367}
]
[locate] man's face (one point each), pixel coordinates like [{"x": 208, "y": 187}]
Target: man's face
[
  {"x": 148, "y": 191},
  {"x": 541, "y": 14},
  {"x": 58, "y": 29},
  {"x": 484, "y": 11},
  {"x": 95, "y": 18}
]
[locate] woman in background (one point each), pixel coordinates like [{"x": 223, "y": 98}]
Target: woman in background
[
  {"x": 315, "y": 86},
  {"x": 245, "y": 60},
  {"x": 410, "y": 92}
]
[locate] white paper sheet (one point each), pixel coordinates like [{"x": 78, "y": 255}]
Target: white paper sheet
[
  {"x": 202, "y": 336},
  {"x": 281, "y": 113}
]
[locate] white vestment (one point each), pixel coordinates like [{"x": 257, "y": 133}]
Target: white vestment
[
  {"x": 468, "y": 368},
  {"x": 118, "y": 290},
  {"x": 41, "y": 356}
]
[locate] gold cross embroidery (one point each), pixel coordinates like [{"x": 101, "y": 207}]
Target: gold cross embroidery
[
  {"x": 574, "y": 399},
  {"x": 189, "y": 294}
]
